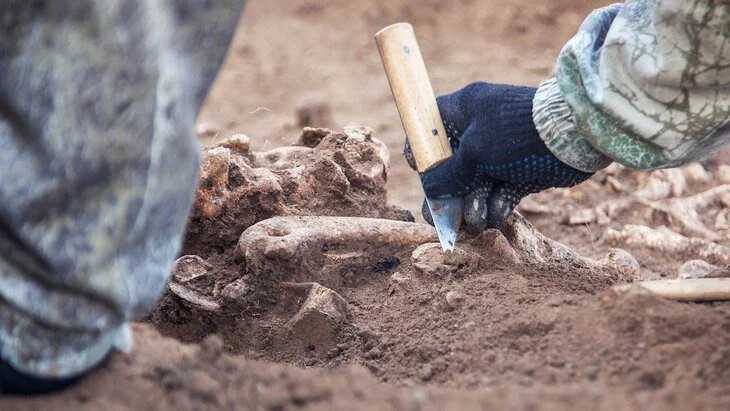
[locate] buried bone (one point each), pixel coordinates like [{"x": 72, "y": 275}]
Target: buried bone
[{"x": 302, "y": 248}]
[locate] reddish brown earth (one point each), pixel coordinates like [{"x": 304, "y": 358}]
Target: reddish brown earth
[{"x": 511, "y": 320}]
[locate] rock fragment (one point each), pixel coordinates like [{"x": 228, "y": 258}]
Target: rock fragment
[
  {"x": 696, "y": 269},
  {"x": 454, "y": 299},
  {"x": 582, "y": 216},
  {"x": 237, "y": 290},
  {"x": 431, "y": 260},
  {"x": 320, "y": 318}
]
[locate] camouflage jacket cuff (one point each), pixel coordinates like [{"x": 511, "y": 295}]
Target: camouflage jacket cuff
[{"x": 554, "y": 121}]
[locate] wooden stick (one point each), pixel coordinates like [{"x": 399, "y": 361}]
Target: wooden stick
[
  {"x": 413, "y": 95},
  {"x": 702, "y": 289}
]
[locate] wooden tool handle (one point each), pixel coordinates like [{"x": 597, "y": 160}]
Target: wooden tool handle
[{"x": 413, "y": 95}]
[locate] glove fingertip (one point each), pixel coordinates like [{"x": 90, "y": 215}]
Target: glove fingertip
[
  {"x": 476, "y": 210},
  {"x": 444, "y": 180},
  {"x": 426, "y": 212},
  {"x": 501, "y": 204}
]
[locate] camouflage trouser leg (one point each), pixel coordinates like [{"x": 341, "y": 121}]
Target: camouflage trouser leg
[{"x": 98, "y": 165}]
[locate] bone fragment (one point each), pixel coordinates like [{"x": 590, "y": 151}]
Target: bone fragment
[{"x": 704, "y": 289}]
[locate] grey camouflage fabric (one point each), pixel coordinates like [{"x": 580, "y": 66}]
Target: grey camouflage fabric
[
  {"x": 98, "y": 165},
  {"x": 646, "y": 84}
]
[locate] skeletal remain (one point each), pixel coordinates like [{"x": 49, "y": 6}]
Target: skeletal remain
[
  {"x": 303, "y": 248},
  {"x": 695, "y": 173},
  {"x": 704, "y": 289},
  {"x": 329, "y": 173},
  {"x": 532, "y": 245},
  {"x": 666, "y": 240},
  {"x": 193, "y": 297},
  {"x": 684, "y": 212},
  {"x": 662, "y": 184},
  {"x": 723, "y": 173},
  {"x": 188, "y": 268}
]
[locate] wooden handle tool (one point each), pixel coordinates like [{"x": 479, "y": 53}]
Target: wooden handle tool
[
  {"x": 413, "y": 95},
  {"x": 421, "y": 119}
]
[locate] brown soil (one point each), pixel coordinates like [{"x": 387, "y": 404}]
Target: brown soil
[{"x": 512, "y": 320}]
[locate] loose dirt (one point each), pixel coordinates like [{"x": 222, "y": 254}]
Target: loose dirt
[{"x": 303, "y": 287}]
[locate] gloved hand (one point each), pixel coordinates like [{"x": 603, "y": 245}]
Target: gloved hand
[{"x": 499, "y": 157}]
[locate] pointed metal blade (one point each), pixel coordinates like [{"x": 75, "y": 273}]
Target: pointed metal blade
[{"x": 446, "y": 215}]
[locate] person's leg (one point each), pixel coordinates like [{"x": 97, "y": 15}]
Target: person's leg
[
  {"x": 98, "y": 162},
  {"x": 13, "y": 382}
]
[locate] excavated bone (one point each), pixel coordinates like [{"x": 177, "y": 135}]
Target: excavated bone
[
  {"x": 723, "y": 174},
  {"x": 302, "y": 248},
  {"x": 683, "y": 212},
  {"x": 669, "y": 242},
  {"x": 532, "y": 245},
  {"x": 661, "y": 184},
  {"x": 695, "y": 173},
  {"x": 330, "y": 173},
  {"x": 193, "y": 297},
  {"x": 188, "y": 268},
  {"x": 698, "y": 289}
]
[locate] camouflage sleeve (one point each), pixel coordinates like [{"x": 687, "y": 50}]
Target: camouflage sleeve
[
  {"x": 99, "y": 165},
  {"x": 645, "y": 84}
]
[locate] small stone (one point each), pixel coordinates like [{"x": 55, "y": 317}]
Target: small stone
[
  {"x": 454, "y": 299},
  {"x": 424, "y": 298},
  {"x": 170, "y": 378},
  {"x": 583, "y": 216},
  {"x": 237, "y": 290},
  {"x": 320, "y": 318},
  {"x": 400, "y": 282},
  {"x": 602, "y": 218},
  {"x": 622, "y": 261},
  {"x": 311, "y": 137},
  {"x": 237, "y": 143},
  {"x": 615, "y": 185},
  {"x": 430, "y": 259},
  {"x": 426, "y": 373},
  {"x": 189, "y": 267},
  {"x": 696, "y": 269}
]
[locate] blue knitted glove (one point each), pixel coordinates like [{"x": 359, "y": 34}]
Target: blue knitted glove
[{"x": 499, "y": 157}]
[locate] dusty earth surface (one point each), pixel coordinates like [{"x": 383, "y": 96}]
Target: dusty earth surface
[{"x": 305, "y": 284}]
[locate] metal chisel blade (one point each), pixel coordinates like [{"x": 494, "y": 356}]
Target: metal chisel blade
[{"x": 446, "y": 215}]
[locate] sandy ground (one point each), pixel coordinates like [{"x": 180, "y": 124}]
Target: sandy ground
[{"x": 488, "y": 331}]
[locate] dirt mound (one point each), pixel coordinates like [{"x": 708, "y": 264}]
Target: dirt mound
[
  {"x": 167, "y": 375},
  {"x": 508, "y": 310},
  {"x": 512, "y": 319}
]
